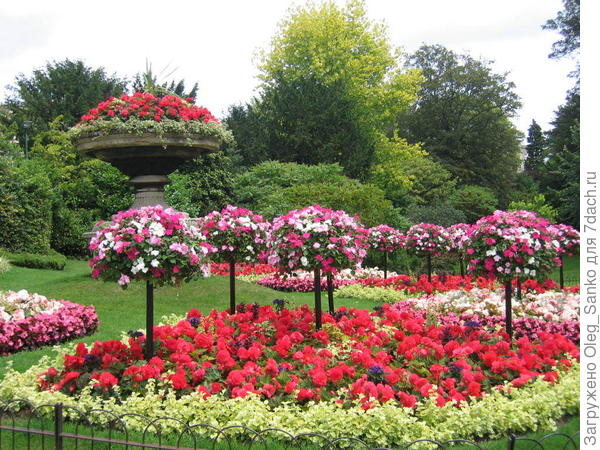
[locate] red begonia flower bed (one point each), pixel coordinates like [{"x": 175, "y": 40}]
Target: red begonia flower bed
[{"x": 372, "y": 357}]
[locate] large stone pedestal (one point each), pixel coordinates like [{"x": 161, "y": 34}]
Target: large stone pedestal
[{"x": 147, "y": 159}]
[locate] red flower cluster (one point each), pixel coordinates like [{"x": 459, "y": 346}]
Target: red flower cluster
[
  {"x": 358, "y": 355},
  {"x": 242, "y": 269},
  {"x": 145, "y": 106},
  {"x": 445, "y": 283},
  {"x": 437, "y": 284}
]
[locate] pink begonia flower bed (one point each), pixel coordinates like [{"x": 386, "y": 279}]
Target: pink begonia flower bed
[
  {"x": 297, "y": 284},
  {"x": 529, "y": 327},
  {"x": 31, "y": 326}
]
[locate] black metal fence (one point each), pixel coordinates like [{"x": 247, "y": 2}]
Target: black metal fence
[{"x": 60, "y": 427}]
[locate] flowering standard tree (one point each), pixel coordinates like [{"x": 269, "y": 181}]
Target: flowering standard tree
[
  {"x": 568, "y": 239},
  {"x": 318, "y": 239},
  {"x": 238, "y": 235},
  {"x": 427, "y": 239},
  {"x": 512, "y": 245},
  {"x": 385, "y": 239},
  {"x": 150, "y": 244},
  {"x": 459, "y": 237}
]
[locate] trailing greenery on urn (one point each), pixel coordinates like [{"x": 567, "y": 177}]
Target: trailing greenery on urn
[{"x": 144, "y": 112}]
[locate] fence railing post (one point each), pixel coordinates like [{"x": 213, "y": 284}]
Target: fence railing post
[{"x": 58, "y": 426}]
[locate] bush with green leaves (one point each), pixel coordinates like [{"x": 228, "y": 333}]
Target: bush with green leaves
[
  {"x": 474, "y": 201},
  {"x": 202, "y": 185},
  {"x": 357, "y": 199},
  {"x": 536, "y": 204},
  {"x": 53, "y": 260},
  {"x": 26, "y": 199},
  {"x": 88, "y": 192},
  {"x": 250, "y": 188},
  {"x": 273, "y": 188},
  {"x": 85, "y": 191},
  {"x": 443, "y": 214}
]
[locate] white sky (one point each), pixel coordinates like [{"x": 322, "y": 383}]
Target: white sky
[{"x": 214, "y": 42}]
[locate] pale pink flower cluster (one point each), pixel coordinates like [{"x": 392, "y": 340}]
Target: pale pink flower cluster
[
  {"x": 568, "y": 238},
  {"x": 237, "y": 234},
  {"x": 21, "y": 304},
  {"x": 510, "y": 245},
  {"x": 459, "y": 235},
  {"x": 427, "y": 238},
  {"x": 151, "y": 243},
  {"x": 550, "y": 306},
  {"x": 385, "y": 238},
  {"x": 317, "y": 237}
]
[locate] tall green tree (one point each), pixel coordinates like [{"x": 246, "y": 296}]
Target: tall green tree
[
  {"x": 330, "y": 82},
  {"x": 559, "y": 178},
  {"x": 67, "y": 88},
  {"x": 566, "y": 22},
  {"x": 536, "y": 147},
  {"x": 248, "y": 125},
  {"x": 462, "y": 118}
]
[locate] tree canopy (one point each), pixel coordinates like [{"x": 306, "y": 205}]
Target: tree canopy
[
  {"x": 462, "y": 117},
  {"x": 567, "y": 23},
  {"x": 330, "y": 81},
  {"x": 67, "y": 88}
]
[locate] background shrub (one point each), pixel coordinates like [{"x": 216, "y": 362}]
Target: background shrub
[
  {"x": 474, "y": 202},
  {"x": 202, "y": 185},
  {"x": 364, "y": 200},
  {"x": 253, "y": 186},
  {"x": 53, "y": 260},
  {"x": 443, "y": 214},
  {"x": 26, "y": 200},
  {"x": 536, "y": 204},
  {"x": 87, "y": 192}
]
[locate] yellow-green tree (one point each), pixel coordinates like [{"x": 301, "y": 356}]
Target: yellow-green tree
[
  {"x": 330, "y": 81},
  {"x": 407, "y": 174},
  {"x": 336, "y": 44}
]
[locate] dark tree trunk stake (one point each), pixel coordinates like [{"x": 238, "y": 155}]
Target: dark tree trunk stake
[
  {"x": 330, "y": 293},
  {"x": 519, "y": 290},
  {"x": 318, "y": 310},
  {"x": 429, "y": 267},
  {"x": 149, "y": 320},
  {"x": 232, "y": 287},
  {"x": 508, "y": 309}
]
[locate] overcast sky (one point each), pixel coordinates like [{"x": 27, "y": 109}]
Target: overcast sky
[{"x": 214, "y": 42}]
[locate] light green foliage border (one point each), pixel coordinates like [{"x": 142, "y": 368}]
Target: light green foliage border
[
  {"x": 534, "y": 406},
  {"x": 375, "y": 293}
]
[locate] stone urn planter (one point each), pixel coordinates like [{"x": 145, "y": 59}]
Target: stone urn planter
[{"x": 146, "y": 158}]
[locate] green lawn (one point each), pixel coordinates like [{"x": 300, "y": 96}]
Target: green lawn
[
  {"x": 570, "y": 271},
  {"x": 121, "y": 310}
]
